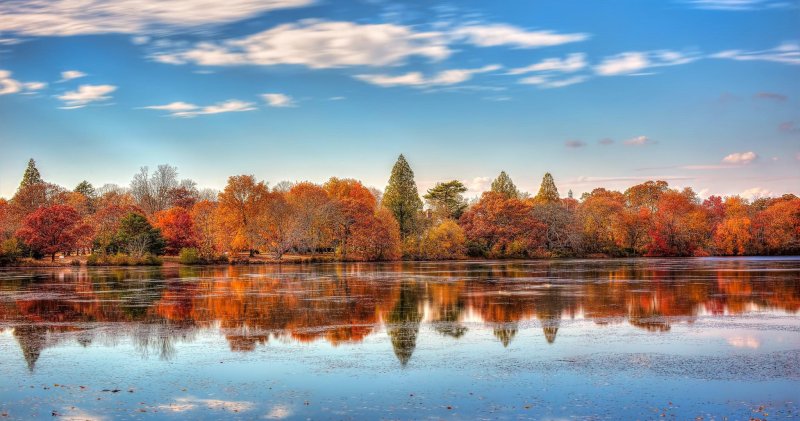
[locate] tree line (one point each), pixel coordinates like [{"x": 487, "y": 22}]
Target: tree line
[{"x": 159, "y": 214}]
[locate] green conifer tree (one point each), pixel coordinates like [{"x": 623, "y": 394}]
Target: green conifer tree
[
  {"x": 402, "y": 198},
  {"x": 503, "y": 185},
  {"x": 548, "y": 192},
  {"x": 31, "y": 175}
]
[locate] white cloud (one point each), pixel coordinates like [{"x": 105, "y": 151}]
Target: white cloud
[
  {"x": 477, "y": 185},
  {"x": 10, "y": 41},
  {"x": 548, "y": 82},
  {"x": 71, "y": 74},
  {"x": 417, "y": 79},
  {"x": 786, "y": 53},
  {"x": 493, "y": 35},
  {"x": 634, "y": 62},
  {"x": 739, "y": 4},
  {"x": 756, "y": 193},
  {"x": 7, "y": 84},
  {"x": 187, "y": 110},
  {"x": 740, "y": 157},
  {"x": 76, "y": 17},
  {"x": 317, "y": 44},
  {"x": 86, "y": 94},
  {"x": 34, "y": 86},
  {"x": 572, "y": 63},
  {"x": 640, "y": 141},
  {"x": 278, "y": 100}
]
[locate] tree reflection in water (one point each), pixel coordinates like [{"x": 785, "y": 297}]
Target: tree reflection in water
[{"x": 344, "y": 303}]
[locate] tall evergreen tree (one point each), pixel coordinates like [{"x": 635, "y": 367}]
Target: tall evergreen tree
[
  {"x": 548, "y": 192},
  {"x": 402, "y": 198},
  {"x": 31, "y": 175},
  {"x": 85, "y": 188},
  {"x": 446, "y": 200},
  {"x": 503, "y": 185}
]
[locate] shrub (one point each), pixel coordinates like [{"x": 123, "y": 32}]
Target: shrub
[
  {"x": 190, "y": 256},
  {"x": 9, "y": 251}
]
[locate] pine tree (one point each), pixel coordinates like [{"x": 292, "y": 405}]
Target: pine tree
[
  {"x": 503, "y": 185},
  {"x": 446, "y": 200},
  {"x": 85, "y": 188},
  {"x": 31, "y": 175},
  {"x": 401, "y": 197},
  {"x": 569, "y": 193},
  {"x": 548, "y": 192}
]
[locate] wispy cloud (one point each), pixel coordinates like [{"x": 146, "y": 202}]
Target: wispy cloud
[
  {"x": 78, "y": 17},
  {"x": 786, "y": 53},
  {"x": 740, "y": 158},
  {"x": 71, "y": 74},
  {"x": 788, "y": 127},
  {"x": 739, "y": 5},
  {"x": 635, "y": 62},
  {"x": 571, "y": 63},
  {"x": 575, "y": 144},
  {"x": 317, "y": 44},
  {"x": 86, "y": 94},
  {"x": 640, "y": 141},
  {"x": 9, "y": 85},
  {"x": 278, "y": 100},
  {"x": 756, "y": 193},
  {"x": 188, "y": 110},
  {"x": 771, "y": 96},
  {"x": 493, "y": 35},
  {"x": 418, "y": 80},
  {"x": 606, "y": 141},
  {"x": 547, "y": 81}
]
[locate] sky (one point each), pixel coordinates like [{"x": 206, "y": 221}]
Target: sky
[{"x": 700, "y": 93}]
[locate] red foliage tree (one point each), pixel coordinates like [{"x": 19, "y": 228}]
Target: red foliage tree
[
  {"x": 177, "y": 228},
  {"x": 52, "y": 229},
  {"x": 501, "y": 226}
]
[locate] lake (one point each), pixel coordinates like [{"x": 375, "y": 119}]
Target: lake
[{"x": 578, "y": 339}]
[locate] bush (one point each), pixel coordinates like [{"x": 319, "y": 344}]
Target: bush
[
  {"x": 120, "y": 259},
  {"x": 9, "y": 252},
  {"x": 190, "y": 256},
  {"x": 75, "y": 262}
]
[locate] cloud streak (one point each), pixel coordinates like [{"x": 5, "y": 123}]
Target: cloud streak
[
  {"x": 81, "y": 17},
  {"x": 189, "y": 110},
  {"x": 418, "y": 80},
  {"x": 635, "y": 62},
  {"x": 86, "y": 94}
]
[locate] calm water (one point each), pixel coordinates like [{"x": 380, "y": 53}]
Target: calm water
[{"x": 585, "y": 339}]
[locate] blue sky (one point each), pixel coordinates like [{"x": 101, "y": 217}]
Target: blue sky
[{"x": 701, "y": 93}]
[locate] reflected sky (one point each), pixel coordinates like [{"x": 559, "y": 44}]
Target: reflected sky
[{"x": 529, "y": 339}]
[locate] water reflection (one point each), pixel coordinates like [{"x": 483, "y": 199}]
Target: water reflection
[{"x": 341, "y": 303}]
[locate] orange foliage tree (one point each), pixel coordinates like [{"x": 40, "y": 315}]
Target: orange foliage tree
[
  {"x": 177, "y": 227},
  {"x": 501, "y": 226}
]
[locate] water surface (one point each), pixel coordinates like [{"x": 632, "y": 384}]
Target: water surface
[{"x": 584, "y": 339}]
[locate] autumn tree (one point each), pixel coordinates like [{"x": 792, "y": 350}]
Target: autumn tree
[
  {"x": 445, "y": 241},
  {"x": 240, "y": 206},
  {"x": 177, "y": 228},
  {"x": 501, "y": 226},
  {"x": 205, "y": 228},
  {"x": 446, "y": 199},
  {"x": 679, "y": 225},
  {"x": 504, "y": 186},
  {"x": 732, "y": 235},
  {"x": 275, "y": 224},
  {"x": 374, "y": 237},
  {"x": 106, "y": 223},
  {"x": 778, "y": 227},
  {"x": 313, "y": 210},
  {"x": 601, "y": 216},
  {"x": 402, "y": 198},
  {"x": 52, "y": 229},
  {"x": 352, "y": 202}
]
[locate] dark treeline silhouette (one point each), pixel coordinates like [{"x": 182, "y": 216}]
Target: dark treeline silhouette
[
  {"x": 342, "y": 219},
  {"x": 341, "y": 303}
]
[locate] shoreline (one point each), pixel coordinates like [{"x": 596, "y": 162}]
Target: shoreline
[{"x": 171, "y": 261}]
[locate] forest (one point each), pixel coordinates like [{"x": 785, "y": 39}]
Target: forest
[{"x": 249, "y": 221}]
